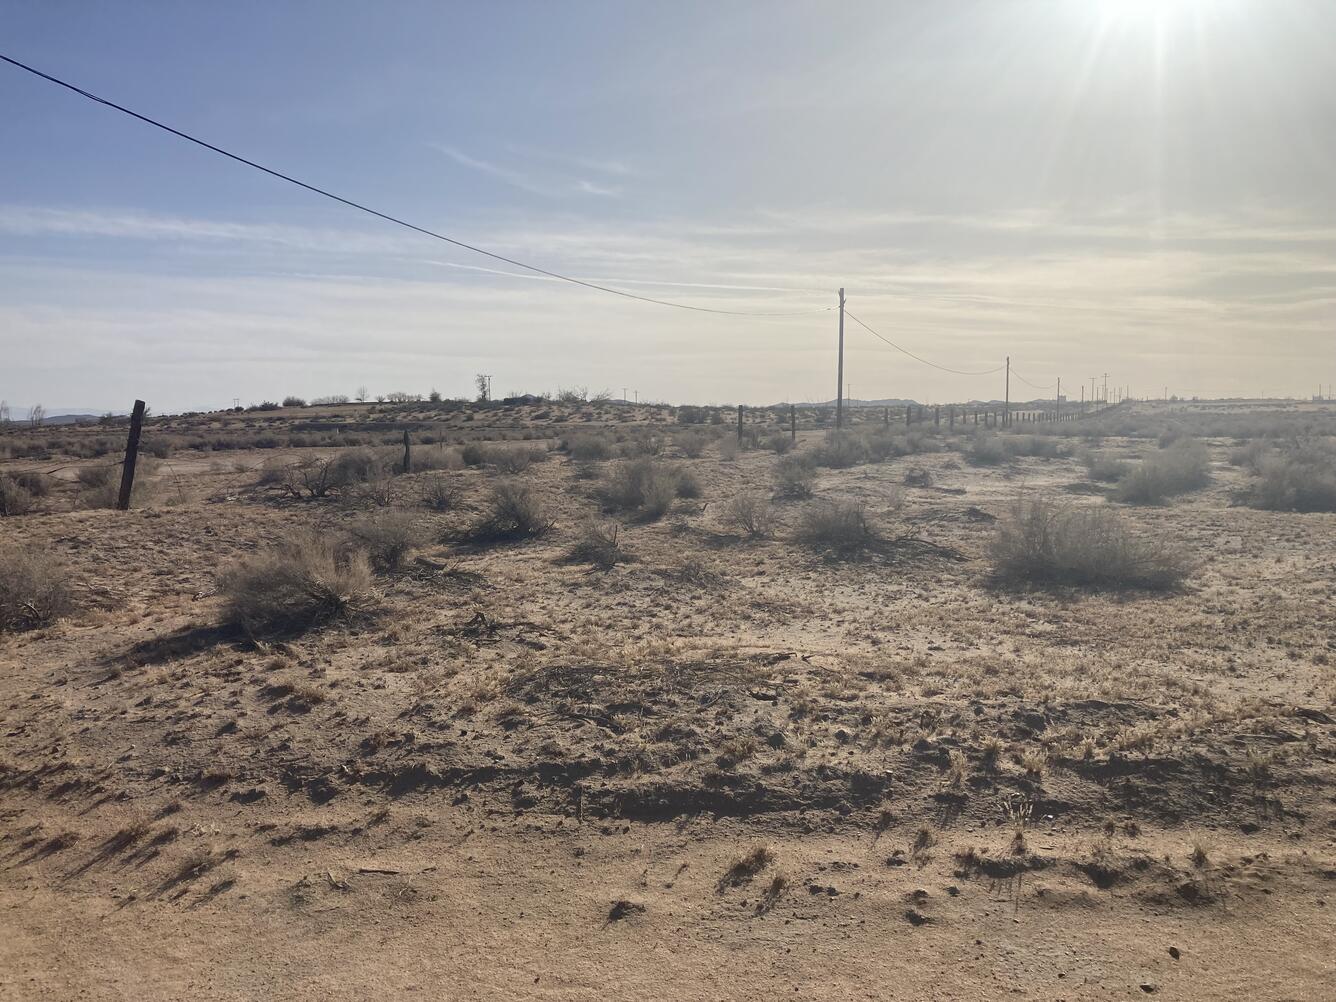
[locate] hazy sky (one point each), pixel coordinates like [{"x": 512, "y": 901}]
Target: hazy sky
[{"x": 1135, "y": 187}]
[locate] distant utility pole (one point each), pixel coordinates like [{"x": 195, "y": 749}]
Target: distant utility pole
[
  {"x": 637, "y": 393},
  {"x": 625, "y": 399},
  {"x": 1106, "y": 387},
  {"x": 1057, "y": 402},
  {"x": 1092, "y": 391},
  {"x": 839, "y": 374},
  {"x": 1006, "y": 402}
]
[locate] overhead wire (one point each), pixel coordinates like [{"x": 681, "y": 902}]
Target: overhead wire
[
  {"x": 920, "y": 358},
  {"x": 1034, "y": 386},
  {"x": 395, "y": 219}
]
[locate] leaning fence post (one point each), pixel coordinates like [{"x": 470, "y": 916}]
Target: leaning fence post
[{"x": 131, "y": 455}]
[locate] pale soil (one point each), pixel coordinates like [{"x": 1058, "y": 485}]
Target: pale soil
[{"x": 178, "y": 822}]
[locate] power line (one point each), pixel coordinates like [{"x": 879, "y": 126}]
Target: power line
[
  {"x": 919, "y": 358},
  {"x": 1034, "y": 386},
  {"x": 387, "y": 217}
]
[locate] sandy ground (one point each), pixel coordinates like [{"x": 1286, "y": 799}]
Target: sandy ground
[{"x": 519, "y": 777}]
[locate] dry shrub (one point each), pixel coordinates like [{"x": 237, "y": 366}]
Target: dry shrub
[
  {"x": 512, "y": 459},
  {"x": 779, "y": 443},
  {"x": 15, "y": 499},
  {"x": 729, "y": 448},
  {"x": 1047, "y": 543},
  {"x": 840, "y": 450},
  {"x": 647, "y": 486},
  {"x": 1305, "y": 481},
  {"x": 387, "y": 538},
  {"x": 1104, "y": 468},
  {"x": 34, "y": 589},
  {"x": 441, "y": 493},
  {"x": 298, "y": 584},
  {"x": 842, "y": 528},
  {"x": 795, "y": 477},
  {"x": 514, "y": 512},
  {"x": 588, "y": 448},
  {"x": 987, "y": 450},
  {"x": 35, "y": 483},
  {"x": 435, "y": 457},
  {"x": 749, "y": 512},
  {"x": 597, "y": 544},
  {"x": 693, "y": 443},
  {"x": 1182, "y": 467}
]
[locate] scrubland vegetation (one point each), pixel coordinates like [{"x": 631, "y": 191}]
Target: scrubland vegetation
[{"x": 959, "y": 657}]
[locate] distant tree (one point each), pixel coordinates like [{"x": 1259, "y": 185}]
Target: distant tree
[
  {"x": 380, "y": 398},
  {"x": 434, "y": 396},
  {"x": 36, "y": 415},
  {"x": 360, "y": 395},
  {"x": 480, "y": 381},
  {"x": 291, "y": 401}
]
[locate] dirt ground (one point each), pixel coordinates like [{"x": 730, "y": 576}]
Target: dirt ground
[{"x": 728, "y": 767}]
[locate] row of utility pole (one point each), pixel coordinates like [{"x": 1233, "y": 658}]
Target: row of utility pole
[{"x": 1102, "y": 397}]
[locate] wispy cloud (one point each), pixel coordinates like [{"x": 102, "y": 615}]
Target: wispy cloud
[{"x": 544, "y": 184}]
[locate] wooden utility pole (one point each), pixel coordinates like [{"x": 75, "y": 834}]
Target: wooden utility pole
[
  {"x": 131, "y": 455},
  {"x": 408, "y": 456},
  {"x": 1057, "y": 401},
  {"x": 839, "y": 375},
  {"x": 1006, "y": 403},
  {"x": 739, "y": 424}
]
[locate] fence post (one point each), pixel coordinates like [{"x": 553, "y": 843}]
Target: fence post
[
  {"x": 408, "y": 458},
  {"x": 951, "y": 417},
  {"x": 131, "y": 455},
  {"x": 937, "y": 416},
  {"x": 886, "y": 417},
  {"x": 739, "y": 424},
  {"x": 793, "y": 423}
]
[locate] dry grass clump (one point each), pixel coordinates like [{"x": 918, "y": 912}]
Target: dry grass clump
[
  {"x": 743, "y": 870},
  {"x": 647, "y": 486},
  {"x": 1183, "y": 466},
  {"x": 597, "y": 544},
  {"x": 15, "y": 499},
  {"x": 298, "y": 584},
  {"x": 1105, "y": 468},
  {"x": 34, "y": 590},
  {"x": 441, "y": 493},
  {"x": 842, "y": 528},
  {"x": 387, "y": 538},
  {"x": 588, "y": 448},
  {"x": 840, "y": 450},
  {"x": 1302, "y": 481},
  {"x": 749, "y": 512},
  {"x": 1047, "y": 543},
  {"x": 513, "y": 512},
  {"x": 100, "y": 486},
  {"x": 795, "y": 477}
]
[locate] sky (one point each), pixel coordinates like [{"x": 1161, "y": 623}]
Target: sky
[{"x": 1144, "y": 188}]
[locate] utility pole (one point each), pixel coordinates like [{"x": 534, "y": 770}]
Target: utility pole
[
  {"x": 624, "y": 400},
  {"x": 1092, "y": 391},
  {"x": 839, "y": 375},
  {"x": 1006, "y": 403},
  {"x": 1106, "y": 387},
  {"x": 1057, "y": 401}
]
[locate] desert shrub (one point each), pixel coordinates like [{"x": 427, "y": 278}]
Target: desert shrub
[
  {"x": 101, "y": 485},
  {"x": 917, "y": 477},
  {"x": 1105, "y": 468},
  {"x": 693, "y": 443},
  {"x": 646, "y": 485},
  {"x": 387, "y": 538},
  {"x": 1305, "y": 482},
  {"x": 987, "y": 450},
  {"x": 1048, "y": 543},
  {"x": 293, "y": 402},
  {"x": 298, "y": 584},
  {"x": 35, "y": 483},
  {"x": 513, "y": 512},
  {"x": 597, "y": 544},
  {"x": 34, "y": 589},
  {"x": 1038, "y": 446},
  {"x": 15, "y": 499},
  {"x": 778, "y": 442},
  {"x": 435, "y": 457},
  {"x": 841, "y": 528},
  {"x": 473, "y": 454},
  {"x": 514, "y": 459},
  {"x": 794, "y": 476},
  {"x": 688, "y": 484},
  {"x": 1182, "y": 467},
  {"x": 441, "y": 493},
  {"x": 840, "y": 450},
  {"x": 748, "y": 512},
  {"x": 357, "y": 466},
  {"x": 96, "y": 476},
  {"x": 1250, "y": 456},
  {"x": 272, "y": 472},
  {"x": 729, "y": 448},
  {"x": 589, "y": 448}
]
